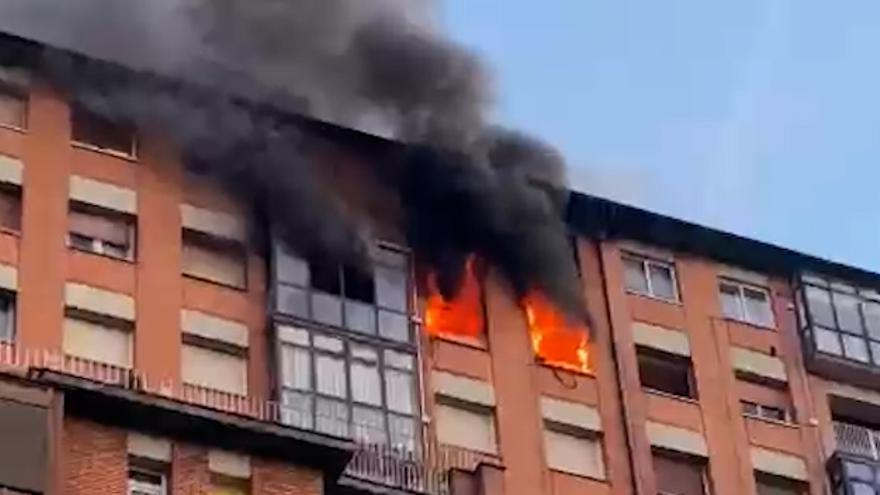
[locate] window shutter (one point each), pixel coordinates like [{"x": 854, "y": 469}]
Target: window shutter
[
  {"x": 103, "y": 228},
  {"x": 678, "y": 476},
  {"x": 214, "y": 369}
]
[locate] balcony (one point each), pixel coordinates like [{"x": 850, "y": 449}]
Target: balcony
[
  {"x": 854, "y": 468},
  {"x": 857, "y": 441}
]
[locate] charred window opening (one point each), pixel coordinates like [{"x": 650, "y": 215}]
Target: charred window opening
[
  {"x": 13, "y": 107},
  {"x": 462, "y": 316},
  {"x": 666, "y": 373},
  {"x": 94, "y": 131},
  {"x": 556, "y": 339}
]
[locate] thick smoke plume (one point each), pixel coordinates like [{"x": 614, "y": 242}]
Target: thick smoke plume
[{"x": 376, "y": 65}]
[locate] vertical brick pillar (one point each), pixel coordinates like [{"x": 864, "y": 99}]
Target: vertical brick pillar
[
  {"x": 273, "y": 478},
  {"x": 46, "y": 156},
  {"x": 159, "y": 286},
  {"x": 189, "y": 470},
  {"x": 95, "y": 459}
]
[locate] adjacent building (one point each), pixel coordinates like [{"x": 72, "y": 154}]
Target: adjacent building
[{"x": 148, "y": 345}]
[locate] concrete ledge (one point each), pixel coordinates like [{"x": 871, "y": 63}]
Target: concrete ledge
[
  {"x": 149, "y": 447},
  {"x": 214, "y": 328},
  {"x": 212, "y": 222},
  {"x": 664, "y": 339},
  {"x": 757, "y": 363},
  {"x": 779, "y": 463},
  {"x": 571, "y": 414},
  {"x": 103, "y": 194},
  {"x": 99, "y": 301},
  {"x": 11, "y": 170},
  {"x": 462, "y": 388},
  {"x": 229, "y": 463},
  {"x": 677, "y": 439}
]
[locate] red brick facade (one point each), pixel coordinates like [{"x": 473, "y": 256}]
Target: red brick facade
[
  {"x": 94, "y": 459},
  {"x": 273, "y": 478}
]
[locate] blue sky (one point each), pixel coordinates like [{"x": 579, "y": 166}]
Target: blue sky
[{"x": 760, "y": 117}]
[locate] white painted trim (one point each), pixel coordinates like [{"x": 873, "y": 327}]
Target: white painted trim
[
  {"x": 103, "y": 194},
  {"x": 214, "y": 328},
  {"x": 758, "y": 363},
  {"x": 212, "y": 222},
  {"x": 99, "y": 301},
  {"x": 11, "y": 170},
  {"x": 779, "y": 463},
  {"x": 149, "y": 447},
  {"x": 463, "y": 388},
  {"x": 677, "y": 439},
  {"x": 8, "y": 277},
  {"x": 664, "y": 339},
  {"x": 571, "y": 414}
]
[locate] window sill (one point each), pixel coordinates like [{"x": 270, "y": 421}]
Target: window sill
[
  {"x": 104, "y": 151},
  {"x": 472, "y": 343},
  {"x": 674, "y": 302},
  {"x": 129, "y": 261},
  {"x": 667, "y": 395},
  {"x": 578, "y": 475},
  {"x": 14, "y": 128},
  {"x": 216, "y": 283},
  {"x": 561, "y": 367},
  {"x": 786, "y": 424}
]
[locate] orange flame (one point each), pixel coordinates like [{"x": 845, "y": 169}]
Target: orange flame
[
  {"x": 463, "y": 315},
  {"x": 555, "y": 340}
]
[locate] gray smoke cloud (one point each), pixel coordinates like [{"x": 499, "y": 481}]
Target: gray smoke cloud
[{"x": 375, "y": 65}]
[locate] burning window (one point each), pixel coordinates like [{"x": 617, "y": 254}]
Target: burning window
[
  {"x": 556, "y": 340},
  {"x": 461, "y": 316}
]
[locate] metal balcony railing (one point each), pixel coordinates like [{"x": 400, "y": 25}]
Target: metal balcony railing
[{"x": 857, "y": 440}]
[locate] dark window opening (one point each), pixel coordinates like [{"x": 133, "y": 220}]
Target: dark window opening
[
  {"x": 13, "y": 107},
  {"x": 358, "y": 285},
  {"x": 775, "y": 485},
  {"x": 325, "y": 277},
  {"x": 10, "y": 208},
  {"x": 679, "y": 474},
  {"x": 101, "y": 133},
  {"x": 666, "y": 373}
]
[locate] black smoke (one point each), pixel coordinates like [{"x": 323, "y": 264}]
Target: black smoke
[{"x": 376, "y": 65}]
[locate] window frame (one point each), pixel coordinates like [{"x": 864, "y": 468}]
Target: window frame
[
  {"x": 152, "y": 489},
  {"x": 218, "y": 347},
  {"x": 13, "y": 91},
  {"x": 666, "y": 359},
  {"x": 98, "y": 245},
  {"x": 131, "y": 155},
  {"x": 741, "y": 302},
  {"x": 10, "y": 328},
  {"x": 759, "y": 411},
  {"x": 212, "y": 243},
  {"x": 595, "y": 438},
  {"x": 682, "y": 458},
  {"x": 348, "y": 341},
  {"x": 646, "y": 264}
]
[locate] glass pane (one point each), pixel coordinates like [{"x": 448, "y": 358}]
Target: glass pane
[
  {"x": 399, "y": 391},
  {"x": 862, "y": 489},
  {"x": 296, "y": 409},
  {"x": 828, "y": 341},
  {"x": 291, "y": 269},
  {"x": 662, "y": 284},
  {"x": 875, "y": 352},
  {"x": 391, "y": 288},
  {"x": 391, "y": 257},
  {"x": 871, "y": 312},
  {"x": 393, "y": 326},
  {"x": 634, "y": 275},
  {"x": 296, "y": 364},
  {"x": 293, "y": 301},
  {"x": 328, "y": 343},
  {"x": 365, "y": 385},
  {"x": 847, "y": 307},
  {"x": 369, "y": 425},
  {"x": 364, "y": 353},
  {"x": 293, "y": 335},
  {"x": 331, "y": 417},
  {"x": 360, "y": 317},
  {"x": 757, "y": 306},
  {"x": 403, "y": 432},
  {"x": 326, "y": 309},
  {"x": 730, "y": 301},
  {"x": 398, "y": 360},
  {"x": 330, "y": 375},
  {"x": 819, "y": 301},
  {"x": 860, "y": 472},
  {"x": 749, "y": 407},
  {"x": 7, "y": 318},
  {"x": 855, "y": 348}
]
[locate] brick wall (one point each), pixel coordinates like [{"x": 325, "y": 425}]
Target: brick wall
[
  {"x": 272, "y": 478},
  {"x": 189, "y": 471},
  {"x": 94, "y": 459}
]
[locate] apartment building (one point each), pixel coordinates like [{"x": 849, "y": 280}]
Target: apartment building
[{"x": 148, "y": 345}]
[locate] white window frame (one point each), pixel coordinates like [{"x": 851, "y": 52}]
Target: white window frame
[
  {"x": 647, "y": 263},
  {"x": 145, "y": 487},
  {"x": 741, "y": 302},
  {"x": 759, "y": 411}
]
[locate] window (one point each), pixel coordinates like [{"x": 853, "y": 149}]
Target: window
[
  {"x": 96, "y": 132},
  {"x": 679, "y": 475},
  {"x": 844, "y": 320},
  {"x": 746, "y": 303},
  {"x": 225, "y": 485},
  {"x": 13, "y": 107},
  {"x": 573, "y": 452},
  {"x": 465, "y": 425},
  {"x": 101, "y": 232},
  {"x": 214, "y": 369},
  {"x": 98, "y": 339},
  {"x": 371, "y": 302},
  {"x": 207, "y": 257},
  {"x": 666, "y": 373},
  {"x": 650, "y": 278},
  {"x": 7, "y": 316},
  {"x": 10, "y": 208},
  {"x": 145, "y": 482},
  {"x": 775, "y": 485},
  {"x": 348, "y": 388},
  {"x": 763, "y": 411}
]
